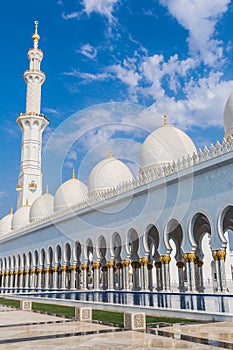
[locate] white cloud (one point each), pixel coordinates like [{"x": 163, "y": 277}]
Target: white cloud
[
  {"x": 88, "y": 51},
  {"x": 104, "y": 8},
  {"x": 199, "y": 18},
  {"x": 87, "y": 76},
  {"x": 51, "y": 111}
]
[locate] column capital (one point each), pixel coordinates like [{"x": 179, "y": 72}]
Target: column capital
[
  {"x": 135, "y": 264},
  {"x": 126, "y": 262},
  {"x": 73, "y": 267},
  {"x": 158, "y": 264},
  {"x": 110, "y": 264},
  {"x": 215, "y": 254},
  {"x": 190, "y": 257},
  {"x": 84, "y": 267},
  {"x": 165, "y": 259},
  {"x": 180, "y": 264},
  {"x": 199, "y": 263},
  {"x": 96, "y": 265},
  {"x": 144, "y": 261},
  {"x": 222, "y": 254},
  {"x": 119, "y": 266}
]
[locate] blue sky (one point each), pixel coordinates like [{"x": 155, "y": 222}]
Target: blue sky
[{"x": 150, "y": 57}]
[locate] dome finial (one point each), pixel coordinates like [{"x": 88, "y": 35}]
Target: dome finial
[
  {"x": 47, "y": 189},
  {"x": 26, "y": 204},
  {"x": 165, "y": 119},
  {"x": 73, "y": 174},
  {"x": 36, "y": 36},
  {"x": 11, "y": 211},
  {"x": 110, "y": 152}
]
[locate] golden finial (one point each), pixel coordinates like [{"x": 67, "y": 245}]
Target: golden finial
[
  {"x": 165, "y": 119},
  {"x": 110, "y": 152},
  {"x": 26, "y": 202},
  {"x": 73, "y": 174},
  {"x": 47, "y": 189},
  {"x": 11, "y": 211},
  {"x": 36, "y": 35}
]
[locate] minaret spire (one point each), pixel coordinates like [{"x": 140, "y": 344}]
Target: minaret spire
[
  {"x": 36, "y": 36},
  {"x": 32, "y": 124}
]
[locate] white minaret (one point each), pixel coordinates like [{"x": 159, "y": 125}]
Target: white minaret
[{"x": 32, "y": 124}]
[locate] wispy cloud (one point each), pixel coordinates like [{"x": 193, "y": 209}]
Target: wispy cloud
[
  {"x": 200, "y": 19},
  {"x": 105, "y": 8},
  {"x": 53, "y": 111},
  {"x": 86, "y": 77},
  {"x": 89, "y": 51}
]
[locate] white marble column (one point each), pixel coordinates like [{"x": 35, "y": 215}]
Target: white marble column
[
  {"x": 159, "y": 281},
  {"x": 222, "y": 257},
  {"x": 11, "y": 279},
  {"x": 126, "y": 264},
  {"x": 144, "y": 273},
  {"x": 84, "y": 268},
  {"x": 111, "y": 276},
  {"x": 200, "y": 276},
  {"x": 217, "y": 267},
  {"x": 33, "y": 277},
  {"x": 119, "y": 267},
  {"x": 39, "y": 277},
  {"x": 190, "y": 265},
  {"x": 3, "y": 279},
  {"x": 180, "y": 266},
  {"x": 104, "y": 277},
  {"x": 63, "y": 277},
  {"x": 46, "y": 272},
  {"x": 165, "y": 260},
  {"x": 16, "y": 279},
  {"x": 27, "y": 278},
  {"x": 73, "y": 269},
  {"x": 96, "y": 275},
  {"x": 21, "y": 279},
  {"x": 150, "y": 277},
  {"x": 136, "y": 275},
  {"x": 55, "y": 277}
]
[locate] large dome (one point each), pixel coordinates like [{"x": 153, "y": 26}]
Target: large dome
[
  {"x": 163, "y": 146},
  {"x": 21, "y": 217},
  {"x": 228, "y": 117},
  {"x": 108, "y": 173},
  {"x": 5, "y": 224},
  {"x": 69, "y": 193},
  {"x": 42, "y": 207}
]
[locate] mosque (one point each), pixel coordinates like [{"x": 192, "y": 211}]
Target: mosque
[{"x": 165, "y": 230}]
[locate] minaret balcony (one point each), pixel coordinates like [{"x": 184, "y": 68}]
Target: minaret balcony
[
  {"x": 33, "y": 114},
  {"x": 32, "y": 186},
  {"x": 19, "y": 187}
]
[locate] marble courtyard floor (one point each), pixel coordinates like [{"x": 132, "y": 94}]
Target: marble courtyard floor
[{"x": 30, "y": 330}]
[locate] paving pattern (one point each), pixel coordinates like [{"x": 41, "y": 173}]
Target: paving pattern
[{"x": 30, "y": 330}]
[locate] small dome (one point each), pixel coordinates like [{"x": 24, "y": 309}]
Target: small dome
[
  {"x": 228, "y": 117},
  {"x": 108, "y": 173},
  {"x": 5, "y": 224},
  {"x": 20, "y": 217},
  {"x": 163, "y": 146},
  {"x": 69, "y": 193},
  {"x": 42, "y": 207}
]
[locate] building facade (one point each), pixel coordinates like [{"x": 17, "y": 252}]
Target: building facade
[{"x": 165, "y": 230}]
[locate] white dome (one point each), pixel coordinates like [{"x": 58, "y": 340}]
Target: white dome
[
  {"x": 69, "y": 193},
  {"x": 108, "y": 173},
  {"x": 228, "y": 117},
  {"x": 20, "y": 217},
  {"x": 5, "y": 224},
  {"x": 42, "y": 207},
  {"x": 163, "y": 146}
]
